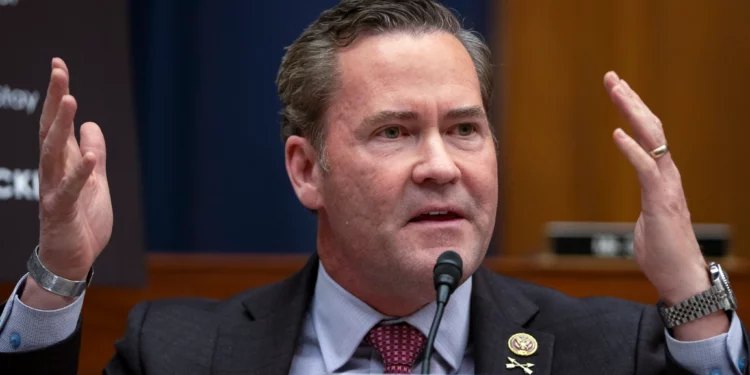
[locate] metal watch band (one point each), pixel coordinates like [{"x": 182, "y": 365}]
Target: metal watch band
[
  {"x": 53, "y": 283},
  {"x": 697, "y": 306}
]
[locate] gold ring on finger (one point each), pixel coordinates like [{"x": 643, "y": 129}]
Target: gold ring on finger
[{"x": 659, "y": 151}]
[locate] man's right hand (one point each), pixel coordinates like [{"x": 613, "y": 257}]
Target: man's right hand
[{"x": 75, "y": 210}]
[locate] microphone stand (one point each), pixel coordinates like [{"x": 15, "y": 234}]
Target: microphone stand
[
  {"x": 446, "y": 275},
  {"x": 431, "y": 338}
]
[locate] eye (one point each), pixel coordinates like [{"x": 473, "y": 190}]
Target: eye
[
  {"x": 392, "y": 132},
  {"x": 465, "y": 130}
]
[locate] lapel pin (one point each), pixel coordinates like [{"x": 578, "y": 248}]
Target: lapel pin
[
  {"x": 522, "y": 344},
  {"x": 525, "y": 367}
]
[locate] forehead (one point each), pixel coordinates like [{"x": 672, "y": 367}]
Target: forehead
[{"x": 407, "y": 69}]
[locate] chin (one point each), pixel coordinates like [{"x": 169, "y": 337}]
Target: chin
[{"x": 470, "y": 256}]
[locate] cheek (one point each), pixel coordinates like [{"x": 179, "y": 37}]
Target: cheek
[
  {"x": 364, "y": 187},
  {"x": 480, "y": 177}
]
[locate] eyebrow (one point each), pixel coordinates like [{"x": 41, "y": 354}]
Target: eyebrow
[
  {"x": 385, "y": 116},
  {"x": 453, "y": 114},
  {"x": 466, "y": 112}
]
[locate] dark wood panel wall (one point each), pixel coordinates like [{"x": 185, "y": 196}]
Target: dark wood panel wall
[{"x": 687, "y": 59}]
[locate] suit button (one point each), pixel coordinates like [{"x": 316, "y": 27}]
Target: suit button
[{"x": 15, "y": 340}]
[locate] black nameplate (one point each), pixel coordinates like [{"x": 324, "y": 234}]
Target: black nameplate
[{"x": 615, "y": 240}]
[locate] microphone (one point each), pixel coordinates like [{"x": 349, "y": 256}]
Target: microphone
[{"x": 446, "y": 274}]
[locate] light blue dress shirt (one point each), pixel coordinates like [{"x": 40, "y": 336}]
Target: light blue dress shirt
[
  {"x": 337, "y": 322},
  {"x": 335, "y": 327},
  {"x": 23, "y": 328}
]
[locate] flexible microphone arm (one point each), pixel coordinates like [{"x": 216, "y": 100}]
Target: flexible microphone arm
[{"x": 446, "y": 275}]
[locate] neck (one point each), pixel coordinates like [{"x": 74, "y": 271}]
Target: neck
[
  {"x": 385, "y": 292},
  {"x": 381, "y": 299}
]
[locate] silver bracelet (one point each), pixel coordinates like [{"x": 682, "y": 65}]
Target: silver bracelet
[
  {"x": 718, "y": 297},
  {"x": 53, "y": 283}
]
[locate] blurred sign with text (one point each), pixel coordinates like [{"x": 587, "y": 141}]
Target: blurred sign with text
[{"x": 615, "y": 240}]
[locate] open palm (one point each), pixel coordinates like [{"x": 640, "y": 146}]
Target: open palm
[
  {"x": 75, "y": 209},
  {"x": 665, "y": 246}
]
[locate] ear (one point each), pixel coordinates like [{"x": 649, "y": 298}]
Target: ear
[{"x": 303, "y": 170}]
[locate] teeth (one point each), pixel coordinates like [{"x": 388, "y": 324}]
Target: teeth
[{"x": 437, "y": 213}]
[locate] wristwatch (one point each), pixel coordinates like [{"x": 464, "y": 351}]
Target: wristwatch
[
  {"x": 53, "y": 283},
  {"x": 719, "y": 297}
]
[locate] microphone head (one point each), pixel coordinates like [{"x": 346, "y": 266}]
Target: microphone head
[{"x": 448, "y": 270}]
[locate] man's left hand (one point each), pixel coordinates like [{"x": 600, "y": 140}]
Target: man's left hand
[{"x": 665, "y": 245}]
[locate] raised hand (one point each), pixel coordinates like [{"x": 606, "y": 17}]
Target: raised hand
[
  {"x": 75, "y": 210},
  {"x": 665, "y": 246}
]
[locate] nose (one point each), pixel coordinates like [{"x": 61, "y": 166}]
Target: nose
[{"x": 436, "y": 165}]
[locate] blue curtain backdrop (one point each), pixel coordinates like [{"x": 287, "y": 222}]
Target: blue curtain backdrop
[{"x": 213, "y": 164}]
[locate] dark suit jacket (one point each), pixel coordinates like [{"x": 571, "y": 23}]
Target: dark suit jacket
[{"x": 256, "y": 332}]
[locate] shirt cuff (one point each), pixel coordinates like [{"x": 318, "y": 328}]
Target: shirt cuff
[
  {"x": 722, "y": 354},
  {"x": 24, "y": 328}
]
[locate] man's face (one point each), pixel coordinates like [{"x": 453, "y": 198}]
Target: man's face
[{"x": 413, "y": 170}]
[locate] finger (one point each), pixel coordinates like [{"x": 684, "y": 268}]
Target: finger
[
  {"x": 53, "y": 150},
  {"x": 646, "y": 126},
  {"x": 92, "y": 141},
  {"x": 642, "y": 105},
  {"x": 645, "y": 166},
  {"x": 611, "y": 79},
  {"x": 72, "y": 184},
  {"x": 58, "y": 87},
  {"x": 665, "y": 163},
  {"x": 649, "y": 127},
  {"x": 60, "y": 64}
]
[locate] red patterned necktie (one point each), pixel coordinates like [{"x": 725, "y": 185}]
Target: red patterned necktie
[{"x": 398, "y": 344}]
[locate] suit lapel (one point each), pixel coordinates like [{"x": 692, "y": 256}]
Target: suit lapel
[
  {"x": 262, "y": 339},
  {"x": 497, "y": 313}
]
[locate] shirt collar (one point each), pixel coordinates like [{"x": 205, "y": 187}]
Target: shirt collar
[{"x": 341, "y": 322}]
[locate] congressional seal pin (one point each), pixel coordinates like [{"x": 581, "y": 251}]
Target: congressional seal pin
[{"x": 522, "y": 344}]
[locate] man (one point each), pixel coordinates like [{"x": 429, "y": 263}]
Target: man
[{"x": 388, "y": 141}]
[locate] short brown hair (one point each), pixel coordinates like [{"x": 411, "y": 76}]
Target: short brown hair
[{"x": 308, "y": 76}]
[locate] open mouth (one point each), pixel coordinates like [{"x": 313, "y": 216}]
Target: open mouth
[{"x": 436, "y": 216}]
